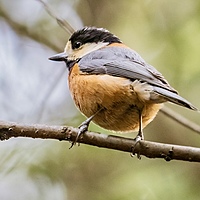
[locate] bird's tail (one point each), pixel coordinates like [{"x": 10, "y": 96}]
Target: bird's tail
[{"x": 174, "y": 98}]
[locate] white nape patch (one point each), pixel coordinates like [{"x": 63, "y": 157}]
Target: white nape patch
[
  {"x": 74, "y": 54},
  {"x": 143, "y": 90}
]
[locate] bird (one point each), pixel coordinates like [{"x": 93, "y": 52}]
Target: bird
[{"x": 112, "y": 85}]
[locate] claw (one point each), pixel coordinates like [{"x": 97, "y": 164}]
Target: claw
[
  {"x": 137, "y": 139},
  {"x": 82, "y": 129}
]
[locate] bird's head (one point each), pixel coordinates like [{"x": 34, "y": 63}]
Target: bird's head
[{"x": 85, "y": 41}]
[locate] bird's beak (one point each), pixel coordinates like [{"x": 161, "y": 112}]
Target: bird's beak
[{"x": 59, "y": 57}]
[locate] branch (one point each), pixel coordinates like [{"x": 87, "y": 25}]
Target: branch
[{"x": 146, "y": 148}]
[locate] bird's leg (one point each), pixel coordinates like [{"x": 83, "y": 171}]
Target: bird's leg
[
  {"x": 84, "y": 127},
  {"x": 140, "y": 135}
]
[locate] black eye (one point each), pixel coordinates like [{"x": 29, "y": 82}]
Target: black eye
[{"x": 77, "y": 44}]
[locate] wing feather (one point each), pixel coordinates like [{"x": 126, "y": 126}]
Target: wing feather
[{"x": 123, "y": 62}]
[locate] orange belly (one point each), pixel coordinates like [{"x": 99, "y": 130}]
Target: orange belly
[{"x": 116, "y": 96}]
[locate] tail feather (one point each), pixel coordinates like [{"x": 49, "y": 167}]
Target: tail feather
[{"x": 174, "y": 98}]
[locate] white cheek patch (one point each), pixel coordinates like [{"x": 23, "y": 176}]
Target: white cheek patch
[
  {"x": 142, "y": 90},
  {"x": 83, "y": 50}
]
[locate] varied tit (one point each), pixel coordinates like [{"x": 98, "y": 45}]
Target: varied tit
[{"x": 112, "y": 85}]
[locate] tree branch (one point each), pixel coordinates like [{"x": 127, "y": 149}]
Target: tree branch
[{"x": 146, "y": 148}]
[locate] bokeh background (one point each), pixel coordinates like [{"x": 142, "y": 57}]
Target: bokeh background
[{"x": 34, "y": 90}]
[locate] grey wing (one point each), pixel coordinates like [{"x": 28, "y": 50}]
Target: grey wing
[
  {"x": 122, "y": 62},
  {"x": 127, "y": 63},
  {"x": 134, "y": 70}
]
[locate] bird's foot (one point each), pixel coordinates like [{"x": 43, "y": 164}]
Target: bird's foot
[
  {"x": 137, "y": 139},
  {"x": 82, "y": 129}
]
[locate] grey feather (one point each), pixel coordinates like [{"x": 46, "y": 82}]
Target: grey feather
[{"x": 174, "y": 98}]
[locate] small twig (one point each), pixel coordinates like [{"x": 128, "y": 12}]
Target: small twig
[
  {"x": 62, "y": 22},
  {"x": 180, "y": 119},
  {"x": 146, "y": 148}
]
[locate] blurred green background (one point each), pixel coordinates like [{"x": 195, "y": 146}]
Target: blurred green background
[{"x": 35, "y": 90}]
